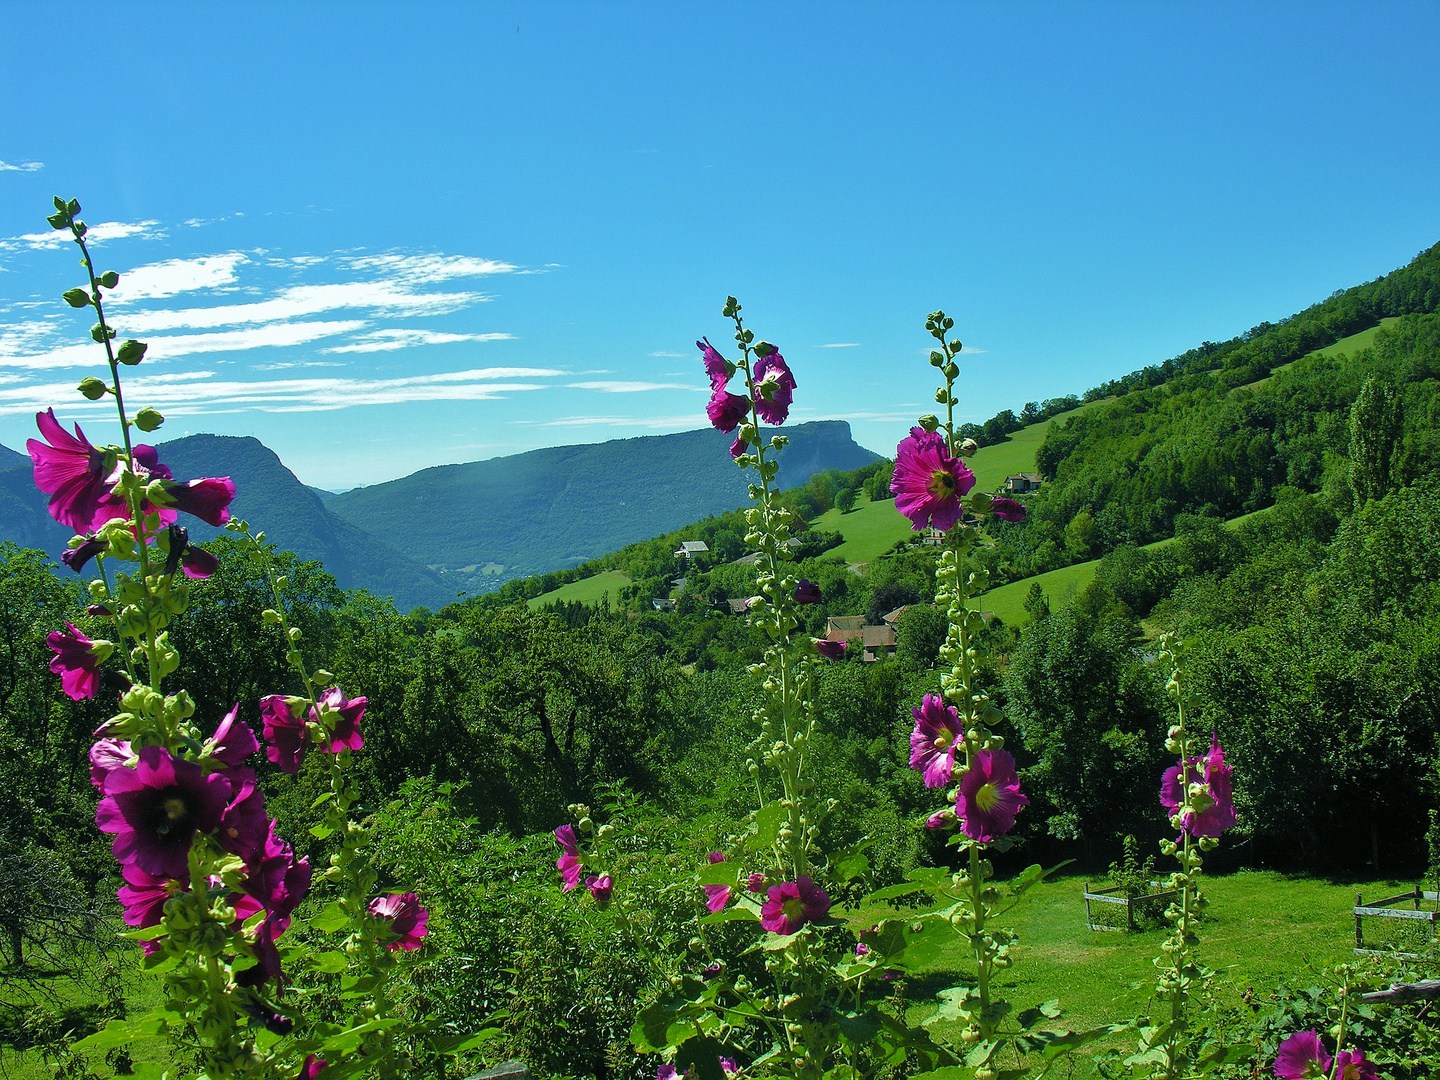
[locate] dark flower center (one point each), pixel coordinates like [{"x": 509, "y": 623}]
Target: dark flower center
[
  {"x": 942, "y": 484},
  {"x": 794, "y": 910},
  {"x": 170, "y": 816}
]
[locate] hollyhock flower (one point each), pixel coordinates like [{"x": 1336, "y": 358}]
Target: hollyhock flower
[
  {"x": 77, "y": 661},
  {"x": 311, "y": 1068},
  {"x": 941, "y": 819},
  {"x": 105, "y": 755},
  {"x": 727, "y": 410},
  {"x": 989, "y": 796},
  {"x": 277, "y": 879},
  {"x": 774, "y": 389},
  {"x": 1215, "y": 775},
  {"x": 791, "y": 905},
  {"x": 666, "y": 1072},
  {"x": 1302, "y": 1056},
  {"x": 600, "y": 888},
  {"x": 716, "y": 897},
  {"x": 937, "y": 733},
  {"x": 208, "y": 498},
  {"x": 267, "y": 958},
  {"x": 928, "y": 482},
  {"x": 261, "y": 1012},
  {"x": 729, "y": 1066},
  {"x": 233, "y": 740},
  {"x": 710, "y": 971},
  {"x": 243, "y": 825},
  {"x": 145, "y": 464},
  {"x": 1351, "y": 1065},
  {"x": 407, "y": 918},
  {"x": 284, "y": 731},
  {"x": 70, "y": 471},
  {"x": 1007, "y": 509},
  {"x": 76, "y": 557},
  {"x": 143, "y": 896},
  {"x": 755, "y": 883},
  {"x": 831, "y": 650},
  {"x": 715, "y": 857},
  {"x": 155, "y": 809},
  {"x": 198, "y": 563},
  {"x": 569, "y": 862},
  {"x": 807, "y": 592},
  {"x": 347, "y": 714},
  {"x": 716, "y": 366},
  {"x": 861, "y": 949}
]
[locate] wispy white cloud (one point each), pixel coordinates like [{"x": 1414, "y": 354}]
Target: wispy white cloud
[
  {"x": 200, "y": 393},
  {"x": 396, "y": 338},
  {"x": 429, "y": 269},
  {"x": 675, "y": 355},
  {"x": 95, "y": 234},
  {"x": 630, "y": 387},
  {"x": 23, "y": 166},
  {"x": 841, "y": 345},
  {"x": 684, "y": 421},
  {"x": 286, "y": 365},
  {"x": 175, "y": 276},
  {"x": 170, "y": 347}
]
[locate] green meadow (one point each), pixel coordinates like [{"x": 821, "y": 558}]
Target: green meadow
[{"x": 589, "y": 590}]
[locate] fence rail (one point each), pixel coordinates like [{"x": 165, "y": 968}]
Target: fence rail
[
  {"x": 1383, "y": 909},
  {"x": 1107, "y": 896}
]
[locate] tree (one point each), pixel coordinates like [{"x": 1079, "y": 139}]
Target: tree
[
  {"x": 1375, "y": 431},
  {"x": 1082, "y": 536},
  {"x": 1037, "y": 605},
  {"x": 845, "y": 499}
]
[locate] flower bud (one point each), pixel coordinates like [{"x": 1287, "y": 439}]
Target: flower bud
[
  {"x": 968, "y": 447},
  {"x": 92, "y": 388},
  {"x": 929, "y": 422}
]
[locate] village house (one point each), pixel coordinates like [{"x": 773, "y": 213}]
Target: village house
[
  {"x": 692, "y": 547},
  {"x": 845, "y": 628},
  {"x": 1020, "y": 483},
  {"x": 877, "y": 641}
]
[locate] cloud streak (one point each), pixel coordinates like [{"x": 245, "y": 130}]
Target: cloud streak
[
  {"x": 398, "y": 338},
  {"x": 175, "y": 276},
  {"x": 23, "y": 166},
  {"x": 616, "y": 387},
  {"x": 96, "y": 234}
]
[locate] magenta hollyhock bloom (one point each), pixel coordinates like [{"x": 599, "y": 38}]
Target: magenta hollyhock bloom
[
  {"x": 143, "y": 896},
  {"x": 277, "y": 880},
  {"x": 861, "y": 949},
  {"x": 77, "y": 661},
  {"x": 1351, "y": 1065},
  {"x": 1215, "y": 774},
  {"x": 569, "y": 862},
  {"x": 155, "y": 809},
  {"x": 311, "y": 1068},
  {"x": 284, "y": 730},
  {"x": 715, "y": 857},
  {"x": 738, "y": 447},
  {"x": 729, "y": 1066},
  {"x": 1302, "y": 1056},
  {"x": 727, "y": 410},
  {"x": 105, "y": 755},
  {"x": 989, "y": 796},
  {"x": 831, "y": 650},
  {"x": 716, "y": 897},
  {"x": 755, "y": 883},
  {"x": 70, "y": 471},
  {"x": 807, "y": 592},
  {"x": 666, "y": 1072},
  {"x": 928, "y": 482},
  {"x": 941, "y": 819},
  {"x": 716, "y": 366},
  {"x": 243, "y": 825},
  {"x": 937, "y": 733},
  {"x": 207, "y": 499},
  {"x": 792, "y": 904},
  {"x": 1007, "y": 509},
  {"x": 198, "y": 563},
  {"x": 774, "y": 389},
  {"x": 76, "y": 558},
  {"x": 233, "y": 740},
  {"x": 348, "y": 714},
  {"x": 600, "y": 888},
  {"x": 267, "y": 958},
  {"x": 407, "y": 918}
]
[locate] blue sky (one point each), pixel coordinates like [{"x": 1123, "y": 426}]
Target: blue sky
[{"x": 381, "y": 237}]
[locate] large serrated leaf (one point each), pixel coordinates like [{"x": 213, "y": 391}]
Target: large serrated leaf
[
  {"x": 737, "y": 913},
  {"x": 122, "y": 1032},
  {"x": 329, "y": 963},
  {"x": 458, "y": 1044},
  {"x": 1224, "y": 1055},
  {"x": 725, "y": 873},
  {"x": 767, "y": 827},
  {"x": 331, "y": 919},
  {"x": 859, "y": 1028},
  {"x": 647, "y": 1034}
]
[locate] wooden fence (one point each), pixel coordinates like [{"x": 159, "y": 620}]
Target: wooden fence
[
  {"x": 1424, "y": 921},
  {"x": 1107, "y": 896}
]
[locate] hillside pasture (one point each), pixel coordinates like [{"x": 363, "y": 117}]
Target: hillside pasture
[
  {"x": 870, "y": 529},
  {"x": 589, "y": 590}
]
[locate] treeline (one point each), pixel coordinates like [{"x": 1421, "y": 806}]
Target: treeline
[
  {"x": 1005, "y": 423},
  {"x": 1122, "y": 471},
  {"x": 1412, "y": 289}
]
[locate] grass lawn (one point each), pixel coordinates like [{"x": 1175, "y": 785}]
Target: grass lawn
[
  {"x": 587, "y": 591},
  {"x": 870, "y": 529},
  {"x": 1261, "y": 928},
  {"x": 1347, "y": 346}
]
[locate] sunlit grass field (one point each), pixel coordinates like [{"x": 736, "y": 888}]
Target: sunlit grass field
[{"x": 587, "y": 591}]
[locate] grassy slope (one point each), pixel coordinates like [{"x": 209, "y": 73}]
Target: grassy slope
[
  {"x": 1008, "y": 601},
  {"x": 588, "y": 590}
]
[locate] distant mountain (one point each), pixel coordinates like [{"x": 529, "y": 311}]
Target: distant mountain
[
  {"x": 488, "y": 521},
  {"x": 12, "y": 459},
  {"x": 269, "y": 496},
  {"x": 24, "y": 518},
  {"x": 322, "y": 494}
]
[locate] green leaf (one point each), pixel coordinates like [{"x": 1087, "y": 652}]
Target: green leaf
[
  {"x": 648, "y": 1034},
  {"x": 131, "y": 352},
  {"x": 946, "y": 1072},
  {"x": 701, "y": 1058},
  {"x": 848, "y": 867},
  {"x": 347, "y": 1042},
  {"x": 890, "y": 892},
  {"x": 329, "y": 962},
  {"x": 458, "y": 1044},
  {"x": 767, "y": 827},
  {"x": 331, "y": 919},
  {"x": 320, "y": 832},
  {"x": 860, "y": 1028},
  {"x": 122, "y": 1032},
  {"x": 1224, "y": 1055},
  {"x": 147, "y": 933},
  {"x": 76, "y": 298},
  {"x": 324, "y": 796},
  {"x": 740, "y": 912},
  {"x": 1051, "y": 1044},
  {"x": 725, "y": 873},
  {"x": 58, "y": 221}
]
